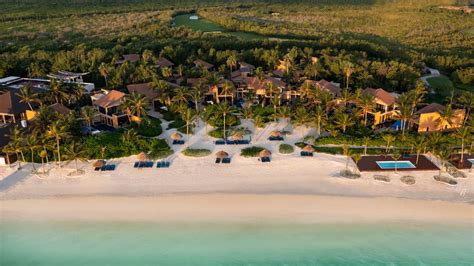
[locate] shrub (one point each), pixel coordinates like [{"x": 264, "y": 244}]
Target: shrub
[
  {"x": 178, "y": 123},
  {"x": 382, "y": 178},
  {"x": 196, "y": 152},
  {"x": 150, "y": 127},
  {"x": 409, "y": 180},
  {"x": 217, "y": 133},
  {"x": 116, "y": 146},
  {"x": 251, "y": 151},
  {"x": 286, "y": 149},
  {"x": 445, "y": 179}
]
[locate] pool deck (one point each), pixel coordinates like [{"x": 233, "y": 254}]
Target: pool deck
[
  {"x": 466, "y": 163},
  {"x": 369, "y": 164}
]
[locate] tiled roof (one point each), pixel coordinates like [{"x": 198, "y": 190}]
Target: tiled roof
[
  {"x": 431, "y": 108},
  {"x": 10, "y": 102},
  {"x": 59, "y": 108},
  {"x": 144, "y": 89},
  {"x": 329, "y": 86},
  {"x": 163, "y": 62},
  {"x": 381, "y": 95},
  {"x": 111, "y": 99},
  {"x": 203, "y": 64}
]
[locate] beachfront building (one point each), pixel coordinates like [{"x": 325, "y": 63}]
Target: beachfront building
[
  {"x": 261, "y": 88},
  {"x": 386, "y": 106},
  {"x": 74, "y": 78},
  {"x": 428, "y": 118},
  {"x": 12, "y": 111},
  {"x": 107, "y": 105}
]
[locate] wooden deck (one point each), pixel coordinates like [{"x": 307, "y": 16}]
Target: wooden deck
[
  {"x": 455, "y": 160},
  {"x": 369, "y": 164}
]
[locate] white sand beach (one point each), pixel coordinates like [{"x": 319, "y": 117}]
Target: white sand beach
[
  {"x": 286, "y": 174},
  {"x": 239, "y": 208}
]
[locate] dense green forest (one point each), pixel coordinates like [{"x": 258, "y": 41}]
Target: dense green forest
[{"x": 41, "y": 36}]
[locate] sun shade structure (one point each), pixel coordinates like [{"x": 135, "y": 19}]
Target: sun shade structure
[
  {"x": 142, "y": 156},
  {"x": 222, "y": 154},
  {"x": 238, "y": 136},
  {"x": 308, "y": 148},
  {"x": 176, "y": 136},
  {"x": 99, "y": 163},
  {"x": 265, "y": 153},
  {"x": 276, "y": 134}
]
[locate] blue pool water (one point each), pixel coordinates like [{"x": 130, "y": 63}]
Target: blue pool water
[
  {"x": 395, "y": 164},
  {"x": 108, "y": 243}
]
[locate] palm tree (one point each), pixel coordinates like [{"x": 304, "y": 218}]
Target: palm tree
[
  {"x": 444, "y": 154},
  {"x": 56, "y": 92},
  {"x": 405, "y": 110},
  {"x": 224, "y": 110},
  {"x": 259, "y": 123},
  {"x": 348, "y": 70},
  {"x": 88, "y": 114},
  {"x": 346, "y": 152},
  {"x": 135, "y": 104},
  {"x": 43, "y": 154},
  {"x": 104, "y": 72},
  {"x": 345, "y": 96},
  {"x": 419, "y": 144},
  {"x": 58, "y": 132},
  {"x": 231, "y": 62},
  {"x": 388, "y": 138},
  {"x": 166, "y": 72},
  {"x": 466, "y": 99},
  {"x": 463, "y": 134},
  {"x": 301, "y": 118},
  {"x": 188, "y": 116},
  {"x": 180, "y": 95},
  {"x": 27, "y": 95},
  {"x": 75, "y": 152},
  {"x": 356, "y": 156},
  {"x": 366, "y": 103},
  {"x": 365, "y": 141},
  {"x": 284, "y": 113},
  {"x": 396, "y": 155},
  {"x": 32, "y": 144},
  {"x": 196, "y": 95},
  {"x": 343, "y": 121},
  {"x": 445, "y": 116},
  {"x": 227, "y": 89},
  {"x": 320, "y": 117}
]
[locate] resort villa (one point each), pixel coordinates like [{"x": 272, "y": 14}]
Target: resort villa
[
  {"x": 163, "y": 62},
  {"x": 131, "y": 58},
  {"x": 203, "y": 64},
  {"x": 107, "y": 105},
  {"x": 428, "y": 118},
  {"x": 386, "y": 105}
]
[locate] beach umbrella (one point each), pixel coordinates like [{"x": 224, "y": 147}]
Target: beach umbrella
[
  {"x": 98, "y": 163},
  {"x": 276, "y": 134},
  {"x": 237, "y": 136},
  {"x": 265, "y": 153},
  {"x": 176, "y": 136},
  {"x": 142, "y": 156},
  {"x": 308, "y": 148},
  {"x": 222, "y": 154}
]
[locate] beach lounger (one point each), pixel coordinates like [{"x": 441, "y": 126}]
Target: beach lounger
[
  {"x": 97, "y": 168},
  {"x": 178, "y": 142},
  {"x": 109, "y": 167},
  {"x": 218, "y": 160},
  {"x": 167, "y": 164},
  {"x": 226, "y": 160},
  {"x": 275, "y": 138},
  {"x": 220, "y": 142},
  {"x": 265, "y": 159},
  {"x": 136, "y": 165},
  {"x": 230, "y": 142},
  {"x": 159, "y": 165},
  {"x": 149, "y": 164}
]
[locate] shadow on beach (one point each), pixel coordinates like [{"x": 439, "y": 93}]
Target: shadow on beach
[{"x": 13, "y": 179}]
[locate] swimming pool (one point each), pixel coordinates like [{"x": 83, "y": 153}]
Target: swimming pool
[
  {"x": 398, "y": 164},
  {"x": 471, "y": 160}
]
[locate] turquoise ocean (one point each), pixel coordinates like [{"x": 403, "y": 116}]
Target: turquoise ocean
[{"x": 134, "y": 243}]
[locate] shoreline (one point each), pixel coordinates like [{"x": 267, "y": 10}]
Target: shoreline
[{"x": 240, "y": 208}]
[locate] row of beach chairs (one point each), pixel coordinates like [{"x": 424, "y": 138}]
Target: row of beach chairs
[
  {"x": 149, "y": 164},
  {"x": 232, "y": 142},
  {"x": 223, "y": 160},
  {"x": 275, "y": 138},
  {"x": 178, "y": 142},
  {"x": 108, "y": 167},
  {"x": 306, "y": 154}
]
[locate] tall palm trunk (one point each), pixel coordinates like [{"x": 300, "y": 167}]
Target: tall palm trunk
[
  {"x": 225, "y": 142},
  {"x": 33, "y": 159},
  {"x": 59, "y": 152}
]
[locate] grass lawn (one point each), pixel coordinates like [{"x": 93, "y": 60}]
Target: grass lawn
[
  {"x": 205, "y": 25},
  {"x": 441, "y": 82},
  {"x": 197, "y": 25}
]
